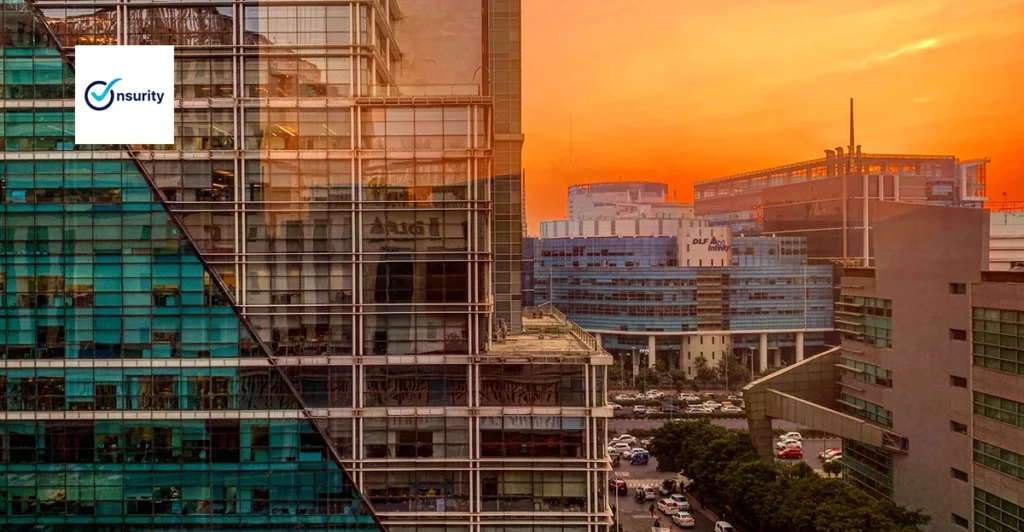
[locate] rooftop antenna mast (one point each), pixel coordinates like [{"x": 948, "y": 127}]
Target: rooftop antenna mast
[{"x": 849, "y": 169}]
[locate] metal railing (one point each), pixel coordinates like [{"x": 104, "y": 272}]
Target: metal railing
[{"x": 547, "y": 309}]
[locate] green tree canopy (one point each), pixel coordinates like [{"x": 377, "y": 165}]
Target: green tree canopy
[{"x": 768, "y": 496}]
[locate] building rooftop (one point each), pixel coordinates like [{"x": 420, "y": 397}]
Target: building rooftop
[{"x": 547, "y": 334}]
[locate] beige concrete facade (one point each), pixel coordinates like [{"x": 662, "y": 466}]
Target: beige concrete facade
[
  {"x": 901, "y": 373},
  {"x": 1003, "y": 291}
]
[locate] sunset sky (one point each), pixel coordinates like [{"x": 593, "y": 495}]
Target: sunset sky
[{"x": 684, "y": 90}]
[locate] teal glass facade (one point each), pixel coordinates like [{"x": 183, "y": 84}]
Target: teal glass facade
[{"x": 134, "y": 396}]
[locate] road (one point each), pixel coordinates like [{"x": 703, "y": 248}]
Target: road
[{"x": 636, "y": 517}]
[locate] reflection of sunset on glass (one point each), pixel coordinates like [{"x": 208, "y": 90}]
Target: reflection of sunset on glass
[{"x": 678, "y": 91}]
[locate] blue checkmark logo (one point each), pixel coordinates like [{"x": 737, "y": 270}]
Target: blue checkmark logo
[{"x": 100, "y": 96}]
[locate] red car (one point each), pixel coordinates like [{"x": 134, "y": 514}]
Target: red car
[
  {"x": 618, "y": 485},
  {"x": 827, "y": 453},
  {"x": 792, "y": 452}
]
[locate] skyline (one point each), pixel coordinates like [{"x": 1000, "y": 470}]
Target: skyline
[{"x": 925, "y": 82}]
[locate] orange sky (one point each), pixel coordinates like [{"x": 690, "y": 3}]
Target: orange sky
[{"x": 685, "y": 90}]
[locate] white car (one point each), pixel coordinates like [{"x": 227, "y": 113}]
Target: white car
[
  {"x": 830, "y": 454},
  {"x": 639, "y": 409},
  {"x": 629, "y": 454},
  {"x": 731, "y": 409},
  {"x": 615, "y": 406},
  {"x": 723, "y": 526},
  {"x": 668, "y": 507},
  {"x": 791, "y": 436},
  {"x": 618, "y": 448},
  {"x": 655, "y": 394},
  {"x": 698, "y": 409},
  {"x": 684, "y": 520},
  {"x": 681, "y": 501},
  {"x": 787, "y": 444},
  {"x": 711, "y": 404},
  {"x": 688, "y": 397},
  {"x": 649, "y": 493},
  {"x": 624, "y": 438}
]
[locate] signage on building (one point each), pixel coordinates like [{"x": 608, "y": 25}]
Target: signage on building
[
  {"x": 124, "y": 95},
  {"x": 714, "y": 244}
]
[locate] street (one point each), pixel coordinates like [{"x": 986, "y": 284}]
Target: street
[{"x": 636, "y": 517}]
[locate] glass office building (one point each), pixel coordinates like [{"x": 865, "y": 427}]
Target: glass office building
[
  {"x": 283, "y": 320},
  {"x": 640, "y": 292}
]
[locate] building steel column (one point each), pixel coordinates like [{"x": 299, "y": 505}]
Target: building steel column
[
  {"x": 762, "y": 352},
  {"x": 777, "y": 358},
  {"x": 652, "y": 344},
  {"x": 799, "y": 346},
  {"x": 597, "y": 336}
]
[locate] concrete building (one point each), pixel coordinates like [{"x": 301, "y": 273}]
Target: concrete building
[
  {"x": 832, "y": 201},
  {"x": 622, "y": 200},
  {"x": 1006, "y": 244},
  {"x": 286, "y": 319},
  {"x": 925, "y": 389}
]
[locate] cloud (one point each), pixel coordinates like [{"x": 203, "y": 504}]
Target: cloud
[{"x": 909, "y": 49}]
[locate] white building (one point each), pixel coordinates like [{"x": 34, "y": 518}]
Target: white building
[
  {"x": 1006, "y": 240},
  {"x": 633, "y": 199}
]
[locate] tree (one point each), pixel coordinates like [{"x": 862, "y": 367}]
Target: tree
[
  {"x": 643, "y": 377},
  {"x": 832, "y": 468},
  {"x": 902, "y": 517},
  {"x": 678, "y": 380},
  {"x": 739, "y": 373},
  {"x": 703, "y": 375},
  {"x": 771, "y": 497}
]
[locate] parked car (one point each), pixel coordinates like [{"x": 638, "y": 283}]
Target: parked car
[
  {"x": 791, "y": 436},
  {"x": 645, "y": 443},
  {"x": 698, "y": 409},
  {"x": 629, "y": 454},
  {"x": 615, "y": 406},
  {"x": 618, "y": 486},
  {"x": 684, "y": 520},
  {"x": 681, "y": 501},
  {"x": 711, "y": 404},
  {"x": 618, "y": 448},
  {"x": 723, "y": 526},
  {"x": 786, "y": 444},
  {"x": 835, "y": 458},
  {"x": 655, "y": 394},
  {"x": 624, "y": 438},
  {"x": 670, "y": 408},
  {"x": 640, "y": 457},
  {"x": 828, "y": 453},
  {"x": 668, "y": 507},
  {"x": 689, "y": 397},
  {"x": 730, "y": 409},
  {"x": 639, "y": 409},
  {"x": 733, "y": 397},
  {"x": 654, "y": 410},
  {"x": 667, "y": 488},
  {"x": 791, "y": 452}
]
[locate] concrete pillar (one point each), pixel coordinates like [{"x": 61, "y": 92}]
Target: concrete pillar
[
  {"x": 652, "y": 344},
  {"x": 799, "y": 346},
  {"x": 597, "y": 336},
  {"x": 762, "y": 352},
  {"x": 777, "y": 358}
]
